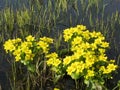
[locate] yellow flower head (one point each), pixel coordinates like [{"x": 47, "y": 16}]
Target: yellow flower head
[
  {"x": 30, "y": 38},
  {"x": 56, "y": 89},
  {"x": 67, "y": 60},
  {"x": 81, "y": 27},
  {"x": 76, "y": 67},
  {"x": 47, "y": 40},
  {"x": 67, "y": 34},
  {"x": 54, "y": 62},
  {"x": 110, "y": 68},
  {"x": 17, "y": 57},
  {"x": 9, "y": 46},
  {"x": 76, "y": 41},
  {"x": 52, "y": 55},
  {"x": 90, "y": 73},
  {"x": 43, "y": 45}
]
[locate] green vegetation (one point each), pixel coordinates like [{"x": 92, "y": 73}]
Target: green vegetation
[{"x": 49, "y": 18}]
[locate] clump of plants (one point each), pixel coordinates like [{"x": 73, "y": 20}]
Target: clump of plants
[
  {"x": 88, "y": 59},
  {"x": 29, "y": 56},
  {"x": 27, "y": 51}
]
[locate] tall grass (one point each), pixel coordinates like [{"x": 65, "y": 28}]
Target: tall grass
[{"x": 49, "y": 18}]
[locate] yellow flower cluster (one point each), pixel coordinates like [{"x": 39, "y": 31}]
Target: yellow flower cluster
[
  {"x": 26, "y": 50},
  {"x": 77, "y": 67},
  {"x": 88, "y": 58},
  {"x": 68, "y": 33},
  {"x": 108, "y": 69},
  {"x": 44, "y": 44},
  {"x": 90, "y": 73},
  {"x": 54, "y": 61},
  {"x": 10, "y": 45}
]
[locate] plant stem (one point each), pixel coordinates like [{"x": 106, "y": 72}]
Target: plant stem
[
  {"x": 28, "y": 83},
  {"x": 76, "y": 84}
]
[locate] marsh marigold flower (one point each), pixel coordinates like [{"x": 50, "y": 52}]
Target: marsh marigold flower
[
  {"x": 9, "y": 46},
  {"x": 90, "y": 73},
  {"x": 56, "y": 89},
  {"x": 30, "y": 38}
]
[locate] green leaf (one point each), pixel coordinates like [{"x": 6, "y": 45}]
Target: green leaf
[
  {"x": 57, "y": 77},
  {"x": 31, "y": 68},
  {"x": 75, "y": 76}
]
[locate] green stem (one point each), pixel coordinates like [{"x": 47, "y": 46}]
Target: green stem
[
  {"x": 76, "y": 84},
  {"x": 115, "y": 88},
  {"x": 28, "y": 83}
]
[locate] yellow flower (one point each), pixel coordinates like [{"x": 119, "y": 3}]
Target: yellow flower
[
  {"x": 67, "y": 60},
  {"x": 17, "y": 40},
  {"x": 17, "y": 57},
  {"x": 47, "y": 40},
  {"x": 102, "y": 57},
  {"x": 102, "y": 68},
  {"x": 104, "y": 44},
  {"x": 93, "y": 46},
  {"x": 112, "y": 67},
  {"x": 76, "y": 48},
  {"x": 76, "y": 67},
  {"x": 101, "y": 50},
  {"x": 56, "y": 62},
  {"x": 90, "y": 73},
  {"x": 17, "y": 51},
  {"x": 96, "y": 34},
  {"x": 85, "y": 45},
  {"x": 29, "y": 56},
  {"x": 70, "y": 70},
  {"x": 81, "y": 27},
  {"x": 9, "y": 46},
  {"x": 28, "y": 51},
  {"x": 49, "y": 61},
  {"x": 43, "y": 45},
  {"x": 56, "y": 89},
  {"x": 53, "y": 61},
  {"x": 67, "y": 34},
  {"x": 25, "y": 46},
  {"x": 30, "y": 38},
  {"x": 86, "y": 35},
  {"x": 55, "y": 55},
  {"x": 76, "y": 41},
  {"x": 77, "y": 54},
  {"x": 108, "y": 69},
  {"x": 80, "y": 67},
  {"x": 89, "y": 62},
  {"x": 89, "y": 55},
  {"x": 99, "y": 40},
  {"x": 112, "y": 61}
]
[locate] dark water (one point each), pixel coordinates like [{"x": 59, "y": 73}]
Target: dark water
[{"x": 110, "y": 8}]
